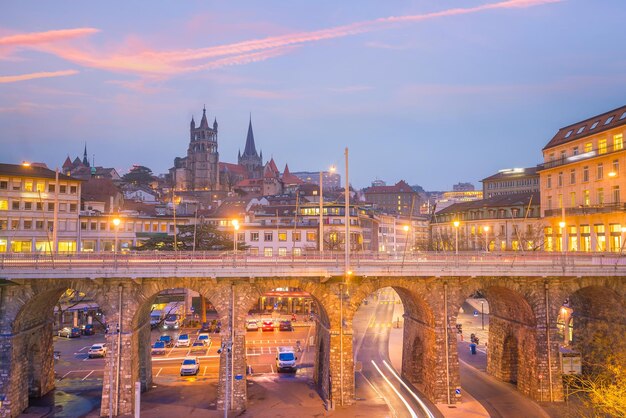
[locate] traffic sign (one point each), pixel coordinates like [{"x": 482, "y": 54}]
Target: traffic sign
[
  {"x": 457, "y": 391},
  {"x": 238, "y": 376}
]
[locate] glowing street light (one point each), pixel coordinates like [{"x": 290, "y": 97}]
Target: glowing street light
[
  {"x": 563, "y": 242},
  {"x": 235, "y": 229},
  {"x": 116, "y": 223},
  {"x": 486, "y": 228},
  {"x": 456, "y": 236}
]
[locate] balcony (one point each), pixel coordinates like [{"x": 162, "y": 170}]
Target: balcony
[
  {"x": 579, "y": 157},
  {"x": 588, "y": 210}
]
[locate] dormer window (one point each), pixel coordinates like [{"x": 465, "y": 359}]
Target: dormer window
[
  {"x": 594, "y": 125},
  {"x": 582, "y": 128},
  {"x": 567, "y": 135},
  {"x": 609, "y": 120}
]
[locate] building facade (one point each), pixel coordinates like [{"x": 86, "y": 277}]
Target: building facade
[
  {"x": 501, "y": 223},
  {"x": 511, "y": 181},
  {"x": 399, "y": 199},
  {"x": 31, "y": 202},
  {"x": 582, "y": 185}
]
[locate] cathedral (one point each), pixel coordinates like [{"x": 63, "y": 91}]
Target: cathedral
[{"x": 201, "y": 169}]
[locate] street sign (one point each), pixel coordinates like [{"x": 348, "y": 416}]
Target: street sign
[
  {"x": 475, "y": 313},
  {"x": 238, "y": 376},
  {"x": 457, "y": 392}
]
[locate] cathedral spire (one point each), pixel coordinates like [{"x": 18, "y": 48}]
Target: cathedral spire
[
  {"x": 250, "y": 149},
  {"x": 85, "y": 160},
  {"x": 204, "y": 123}
]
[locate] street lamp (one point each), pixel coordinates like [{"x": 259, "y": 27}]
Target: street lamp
[
  {"x": 482, "y": 313},
  {"x": 456, "y": 236},
  {"x": 406, "y": 242},
  {"x": 116, "y": 223},
  {"x": 235, "y": 229},
  {"x": 486, "y": 228},
  {"x": 563, "y": 242},
  {"x": 321, "y": 221}
]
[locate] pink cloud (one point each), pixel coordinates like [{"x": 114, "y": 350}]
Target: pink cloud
[
  {"x": 36, "y": 38},
  {"x": 133, "y": 56},
  {"x": 32, "y": 76}
]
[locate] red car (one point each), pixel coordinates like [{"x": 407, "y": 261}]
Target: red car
[{"x": 268, "y": 325}]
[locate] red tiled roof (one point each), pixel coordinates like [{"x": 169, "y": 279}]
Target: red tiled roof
[
  {"x": 588, "y": 127},
  {"x": 233, "y": 168}
]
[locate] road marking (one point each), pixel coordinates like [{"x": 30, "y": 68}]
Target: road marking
[
  {"x": 159, "y": 372},
  {"x": 84, "y": 348},
  {"x": 65, "y": 375},
  {"x": 87, "y": 375},
  {"x": 422, "y": 404},
  {"x": 272, "y": 366},
  {"x": 204, "y": 373},
  {"x": 408, "y": 407}
]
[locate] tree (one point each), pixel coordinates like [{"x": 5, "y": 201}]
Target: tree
[
  {"x": 139, "y": 175},
  {"x": 208, "y": 238}
]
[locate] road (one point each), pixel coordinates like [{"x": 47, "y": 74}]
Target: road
[{"x": 377, "y": 377}]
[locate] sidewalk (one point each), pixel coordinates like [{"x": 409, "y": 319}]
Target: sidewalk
[{"x": 467, "y": 408}]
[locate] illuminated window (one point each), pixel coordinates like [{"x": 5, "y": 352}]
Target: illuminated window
[
  {"x": 282, "y": 236},
  {"x": 297, "y": 251},
  {"x": 618, "y": 142},
  {"x": 268, "y": 251},
  {"x": 572, "y": 199},
  {"x": 67, "y": 246},
  {"x": 28, "y": 186},
  {"x": 602, "y": 146},
  {"x": 586, "y": 198},
  {"x": 588, "y": 147},
  {"x": 163, "y": 227},
  {"x": 311, "y": 236},
  {"x": 4, "y": 204},
  {"x": 21, "y": 246},
  {"x": 282, "y": 251},
  {"x": 41, "y": 187},
  {"x": 600, "y": 193},
  {"x": 296, "y": 236}
]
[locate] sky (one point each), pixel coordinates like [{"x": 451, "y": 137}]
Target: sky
[{"x": 430, "y": 92}]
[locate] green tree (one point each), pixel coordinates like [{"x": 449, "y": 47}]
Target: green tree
[
  {"x": 139, "y": 175},
  {"x": 208, "y": 238}
]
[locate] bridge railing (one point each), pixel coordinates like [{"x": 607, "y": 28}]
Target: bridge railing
[{"x": 333, "y": 259}]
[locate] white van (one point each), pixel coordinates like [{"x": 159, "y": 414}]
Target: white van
[{"x": 286, "y": 359}]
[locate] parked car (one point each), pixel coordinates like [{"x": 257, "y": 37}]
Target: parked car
[
  {"x": 206, "y": 327},
  {"x": 87, "y": 329},
  {"x": 183, "y": 340},
  {"x": 268, "y": 325},
  {"x": 197, "y": 346},
  {"x": 97, "y": 350},
  {"x": 167, "y": 340},
  {"x": 158, "y": 348},
  {"x": 285, "y": 326},
  {"x": 190, "y": 366},
  {"x": 68, "y": 332},
  {"x": 204, "y": 338},
  {"x": 252, "y": 325}
]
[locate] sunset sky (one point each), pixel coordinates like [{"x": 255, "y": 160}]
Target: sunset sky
[{"x": 432, "y": 92}]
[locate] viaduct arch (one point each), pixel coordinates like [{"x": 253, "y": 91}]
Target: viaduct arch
[{"x": 523, "y": 342}]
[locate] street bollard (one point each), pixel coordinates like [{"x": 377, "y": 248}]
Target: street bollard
[{"x": 137, "y": 399}]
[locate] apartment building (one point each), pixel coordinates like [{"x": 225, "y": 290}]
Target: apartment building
[
  {"x": 582, "y": 179},
  {"x": 511, "y": 181},
  {"x": 30, "y": 197}
]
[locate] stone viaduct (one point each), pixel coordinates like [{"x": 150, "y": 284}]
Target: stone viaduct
[{"x": 524, "y": 291}]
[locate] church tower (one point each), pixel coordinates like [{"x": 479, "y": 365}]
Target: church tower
[
  {"x": 250, "y": 158},
  {"x": 202, "y": 156}
]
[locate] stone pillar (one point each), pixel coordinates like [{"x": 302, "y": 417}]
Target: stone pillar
[
  {"x": 420, "y": 358},
  {"x": 40, "y": 353},
  {"x": 341, "y": 393},
  {"x": 321, "y": 373},
  {"x": 119, "y": 383},
  {"x": 202, "y": 308},
  {"x": 145, "y": 357},
  {"x": 75, "y": 318}
]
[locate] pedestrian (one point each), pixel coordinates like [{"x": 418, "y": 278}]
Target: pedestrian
[{"x": 473, "y": 348}]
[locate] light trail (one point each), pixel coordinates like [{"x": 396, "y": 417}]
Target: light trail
[
  {"x": 408, "y": 407},
  {"x": 422, "y": 404}
]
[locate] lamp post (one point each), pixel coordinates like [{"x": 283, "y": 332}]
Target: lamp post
[
  {"x": 563, "y": 242},
  {"x": 116, "y": 224},
  {"x": 321, "y": 221},
  {"x": 456, "y": 236},
  {"x": 235, "y": 229},
  {"x": 486, "y": 228},
  {"x": 482, "y": 314}
]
